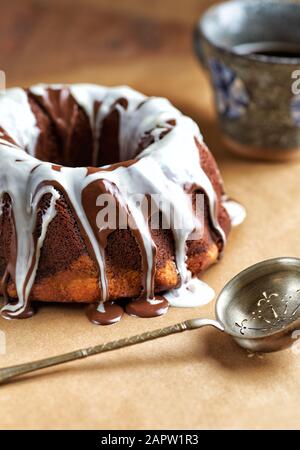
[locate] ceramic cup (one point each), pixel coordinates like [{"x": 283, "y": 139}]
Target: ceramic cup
[{"x": 252, "y": 51}]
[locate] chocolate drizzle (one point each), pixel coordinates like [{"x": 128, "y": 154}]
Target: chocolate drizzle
[
  {"x": 71, "y": 125},
  {"x": 152, "y": 125}
]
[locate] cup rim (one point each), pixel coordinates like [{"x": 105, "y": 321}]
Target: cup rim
[{"x": 264, "y": 59}]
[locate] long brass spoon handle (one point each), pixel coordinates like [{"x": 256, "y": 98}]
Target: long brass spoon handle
[{"x": 21, "y": 369}]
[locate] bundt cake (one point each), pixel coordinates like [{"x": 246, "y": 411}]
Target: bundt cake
[{"x": 107, "y": 146}]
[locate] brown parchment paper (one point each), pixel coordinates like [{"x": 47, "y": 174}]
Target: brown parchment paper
[{"x": 198, "y": 379}]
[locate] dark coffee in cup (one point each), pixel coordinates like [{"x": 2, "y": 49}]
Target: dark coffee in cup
[{"x": 277, "y": 49}]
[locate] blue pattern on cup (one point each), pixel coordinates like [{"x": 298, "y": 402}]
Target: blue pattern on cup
[
  {"x": 295, "y": 110},
  {"x": 231, "y": 94}
]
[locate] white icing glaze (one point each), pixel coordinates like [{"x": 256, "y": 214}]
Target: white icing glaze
[
  {"x": 17, "y": 119},
  {"x": 193, "y": 293},
  {"x": 24, "y": 206},
  {"x": 46, "y": 219},
  {"x": 236, "y": 211},
  {"x": 101, "y": 308},
  {"x": 166, "y": 167}
]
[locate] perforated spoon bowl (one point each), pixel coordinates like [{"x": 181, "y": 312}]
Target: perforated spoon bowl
[{"x": 259, "y": 308}]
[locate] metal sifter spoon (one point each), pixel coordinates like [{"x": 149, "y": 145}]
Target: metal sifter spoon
[{"x": 259, "y": 308}]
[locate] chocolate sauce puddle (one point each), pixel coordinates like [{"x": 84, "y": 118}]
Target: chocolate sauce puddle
[
  {"x": 147, "y": 308},
  {"x": 110, "y": 312},
  {"x": 106, "y": 313}
]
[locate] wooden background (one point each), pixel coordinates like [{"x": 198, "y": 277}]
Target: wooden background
[
  {"x": 195, "y": 380},
  {"x": 146, "y": 44}
]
